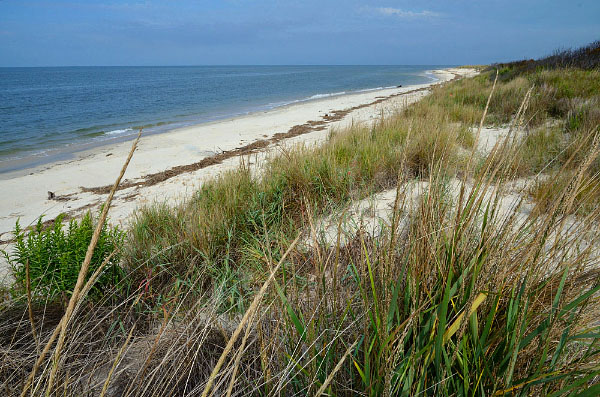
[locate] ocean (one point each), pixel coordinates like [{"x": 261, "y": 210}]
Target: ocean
[{"x": 49, "y": 113}]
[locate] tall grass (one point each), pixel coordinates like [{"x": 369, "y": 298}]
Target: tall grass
[
  {"x": 228, "y": 218},
  {"x": 472, "y": 302},
  {"x": 468, "y": 291}
]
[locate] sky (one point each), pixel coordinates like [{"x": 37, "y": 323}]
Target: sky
[{"x": 290, "y": 32}]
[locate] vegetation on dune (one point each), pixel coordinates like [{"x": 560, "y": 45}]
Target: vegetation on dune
[
  {"x": 561, "y": 122},
  {"x": 224, "y": 220},
  {"x": 585, "y": 58},
  {"x": 461, "y": 294},
  {"x": 47, "y": 259}
]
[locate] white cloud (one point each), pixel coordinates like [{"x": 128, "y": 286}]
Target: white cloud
[{"x": 406, "y": 14}]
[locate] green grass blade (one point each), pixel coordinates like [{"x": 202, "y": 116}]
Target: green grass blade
[{"x": 442, "y": 321}]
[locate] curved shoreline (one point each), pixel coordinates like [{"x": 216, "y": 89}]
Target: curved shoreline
[
  {"x": 38, "y": 159},
  {"x": 301, "y": 129},
  {"x": 168, "y": 167}
]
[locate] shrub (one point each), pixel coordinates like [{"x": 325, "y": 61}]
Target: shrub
[
  {"x": 54, "y": 256},
  {"x": 586, "y": 58}
]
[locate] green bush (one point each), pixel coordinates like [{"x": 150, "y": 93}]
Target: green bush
[{"x": 55, "y": 255}]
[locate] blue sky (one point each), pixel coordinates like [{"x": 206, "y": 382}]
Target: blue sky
[{"x": 182, "y": 32}]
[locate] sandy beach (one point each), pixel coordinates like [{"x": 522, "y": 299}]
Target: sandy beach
[
  {"x": 170, "y": 165},
  {"x": 299, "y": 198}
]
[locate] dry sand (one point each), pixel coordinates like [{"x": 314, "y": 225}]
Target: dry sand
[{"x": 170, "y": 165}]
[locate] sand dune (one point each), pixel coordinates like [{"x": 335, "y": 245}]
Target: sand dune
[{"x": 170, "y": 165}]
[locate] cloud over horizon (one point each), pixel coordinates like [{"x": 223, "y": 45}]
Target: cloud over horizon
[
  {"x": 186, "y": 32},
  {"x": 390, "y": 11}
]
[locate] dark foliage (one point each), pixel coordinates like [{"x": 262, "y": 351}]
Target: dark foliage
[{"x": 587, "y": 58}]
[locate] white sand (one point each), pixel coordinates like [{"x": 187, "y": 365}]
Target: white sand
[
  {"x": 374, "y": 214},
  {"x": 24, "y": 193}
]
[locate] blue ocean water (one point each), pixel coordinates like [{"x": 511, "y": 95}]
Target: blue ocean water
[{"x": 45, "y": 111}]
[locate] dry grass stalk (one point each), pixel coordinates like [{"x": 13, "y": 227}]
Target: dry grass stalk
[
  {"x": 483, "y": 116},
  {"x": 116, "y": 362},
  {"x": 238, "y": 357},
  {"x": 485, "y": 111},
  {"x": 90, "y": 283},
  {"x": 75, "y": 297},
  {"x": 61, "y": 328},
  {"x": 325, "y": 384},
  {"x": 247, "y": 315}
]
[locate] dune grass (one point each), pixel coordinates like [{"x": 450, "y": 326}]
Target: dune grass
[
  {"x": 226, "y": 215},
  {"x": 227, "y": 218},
  {"x": 460, "y": 294}
]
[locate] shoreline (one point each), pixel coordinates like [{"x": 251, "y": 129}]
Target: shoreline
[
  {"x": 37, "y": 160},
  {"x": 170, "y": 166}
]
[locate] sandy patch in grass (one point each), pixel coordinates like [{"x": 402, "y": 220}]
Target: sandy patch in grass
[{"x": 172, "y": 165}]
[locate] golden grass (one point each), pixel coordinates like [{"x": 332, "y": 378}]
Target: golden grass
[{"x": 461, "y": 294}]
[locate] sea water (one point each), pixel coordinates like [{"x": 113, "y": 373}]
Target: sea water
[{"x": 48, "y": 112}]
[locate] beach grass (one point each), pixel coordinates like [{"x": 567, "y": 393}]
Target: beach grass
[{"x": 466, "y": 290}]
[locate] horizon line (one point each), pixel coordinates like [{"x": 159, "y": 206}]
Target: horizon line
[{"x": 213, "y": 65}]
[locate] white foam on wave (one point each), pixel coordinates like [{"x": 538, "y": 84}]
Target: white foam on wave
[
  {"x": 319, "y": 96},
  {"x": 378, "y": 88},
  {"x": 372, "y": 89},
  {"x": 117, "y": 132},
  {"x": 272, "y": 105},
  {"x": 430, "y": 74}
]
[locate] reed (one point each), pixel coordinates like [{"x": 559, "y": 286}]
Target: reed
[{"x": 469, "y": 286}]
